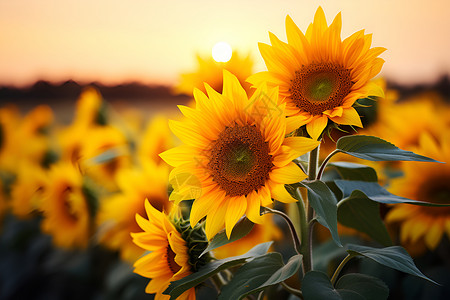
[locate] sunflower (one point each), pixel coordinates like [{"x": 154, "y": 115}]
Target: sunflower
[
  {"x": 169, "y": 257},
  {"x": 210, "y": 71},
  {"x": 9, "y": 122},
  {"x": 117, "y": 213},
  {"x": 90, "y": 108},
  {"x": 319, "y": 76},
  {"x": 104, "y": 152},
  {"x": 395, "y": 125},
  {"x": 65, "y": 207},
  {"x": 157, "y": 138},
  {"x": 28, "y": 188},
  {"x": 235, "y": 156},
  {"x": 427, "y": 182}
]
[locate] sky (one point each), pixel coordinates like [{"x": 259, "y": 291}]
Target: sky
[{"x": 154, "y": 41}]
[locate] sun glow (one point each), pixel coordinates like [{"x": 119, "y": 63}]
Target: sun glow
[{"x": 221, "y": 52}]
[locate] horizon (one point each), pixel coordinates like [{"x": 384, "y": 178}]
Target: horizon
[{"x": 153, "y": 43}]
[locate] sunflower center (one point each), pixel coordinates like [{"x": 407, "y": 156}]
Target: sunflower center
[
  {"x": 173, "y": 266},
  {"x": 320, "y": 87},
  {"x": 436, "y": 190},
  {"x": 240, "y": 162},
  {"x": 68, "y": 202}
]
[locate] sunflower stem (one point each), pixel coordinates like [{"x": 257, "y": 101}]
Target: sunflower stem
[
  {"x": 339, "y": 268},
  {"x": 307, "y": 238},
  {"x": 288, "y": 220},
  {"x": 303, "y": 225},
  {"x": 292, "y": 290},
  {"x": 325, "y": 162}
]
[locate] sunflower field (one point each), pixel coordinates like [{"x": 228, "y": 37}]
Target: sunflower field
[{"x": 314, "y": 179}]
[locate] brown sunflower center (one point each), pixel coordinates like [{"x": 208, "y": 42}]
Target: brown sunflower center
[
  {"x": 436, "y": 190},
  {"x": 173, "y": 266},
  {"x": 240, "y": 162},
  {"x": 320, "y": 87},
  {"x": 67, "y": 199}
]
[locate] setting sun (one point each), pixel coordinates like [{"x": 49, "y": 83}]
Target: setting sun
[{"x": 221, "y": 52}]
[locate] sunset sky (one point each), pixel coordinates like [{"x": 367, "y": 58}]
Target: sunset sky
[{"x": 154, "y": 41}]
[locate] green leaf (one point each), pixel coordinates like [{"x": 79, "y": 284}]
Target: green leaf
[
  {"x": 377, "y": 193},
  {"x": 376, "y": 149},
  {"x": 371, "y": 288},
  {"x": 176, "y": 288},
  {"x": 352, "y": 171},
  {"x": 317, "y": 286},
  {"x": 363, "y": 214},
  {"x": 394, "y": 257},
  {"x": 242, "y": 228},
  {"x": 324, "y": 203},
  {"x": 260, "y": 273}
]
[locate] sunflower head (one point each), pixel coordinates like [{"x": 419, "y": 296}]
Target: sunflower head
[
  {"x": 90, "y": 108},
  {"x": 319, "y": 75},
  {"x": 103, "y": 153},
  {"x": 28, "y": 189},
  {"x": 210, "y": 71},
  {"x": 117, "y": 213},
  {"x": 156, "y": 139},
  {"x": 174, "y": 246},
  {"x": 68, "y": 206},
  {"x": 425, "y": 182},
  {"x": 235, "y": 156}
]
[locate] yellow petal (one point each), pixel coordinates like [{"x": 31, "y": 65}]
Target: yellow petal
[
  {"x": 398, "y": 213},
  {"x": 235, "y": 210},
  {"x": 290, "y": 173},
  {"x": 177, "y": 156},
  {"x": 215, "y": 219},
  {"x": 349, "y": 117},
  {"x": 188, "y": 134},
  {"x": 280, "y": 193},
  {"x": 232, "y": 89},
  {"x": 434, "y": 234},
  {"x": 316, "y": 127},
  {"x": 265, "y": 196},
  {"x": 295, "y": 122},
  {"x": 301, "y": 145},
  {"x": 253, "y": 208},
  {"x": 202, "y": 205}
]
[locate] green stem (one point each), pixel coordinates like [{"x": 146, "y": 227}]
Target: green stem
[
  {"x": 291, "y": 290},
  {"x": 339, "y": 268},
  {"x": 307, "y": 238},
  {"x": 288, "y": 220},
  {"x": 303, "y": 228},
  {"x": 325, "y": 162}
]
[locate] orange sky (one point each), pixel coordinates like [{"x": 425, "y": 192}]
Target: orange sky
[{"x": 153, "y": 41}]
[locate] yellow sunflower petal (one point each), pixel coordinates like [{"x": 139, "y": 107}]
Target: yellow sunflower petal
[
  {"x": 349, "y": 117},
  {"x": 290, "y": 173},
  {"x": 316, "y": 126},
  {"x": 231, "y": 87},
  {"x": 301, "y": 145},
  {"x": 280, "y": 193},
  {"x": 202, "y": 205},
  {"x": 295, "y": 122},
  {"x": 253, "y": 208},
  {"x": 215, "y": 220},
  {"x": 235, "y": 210},
  {"x": 434, "y": 234}
]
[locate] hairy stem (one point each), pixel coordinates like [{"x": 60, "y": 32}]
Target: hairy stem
[
  {"x": 288, "y": 220},
  {"x": 325, "y": 162},
  {"x": 307, "y": 239}
]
